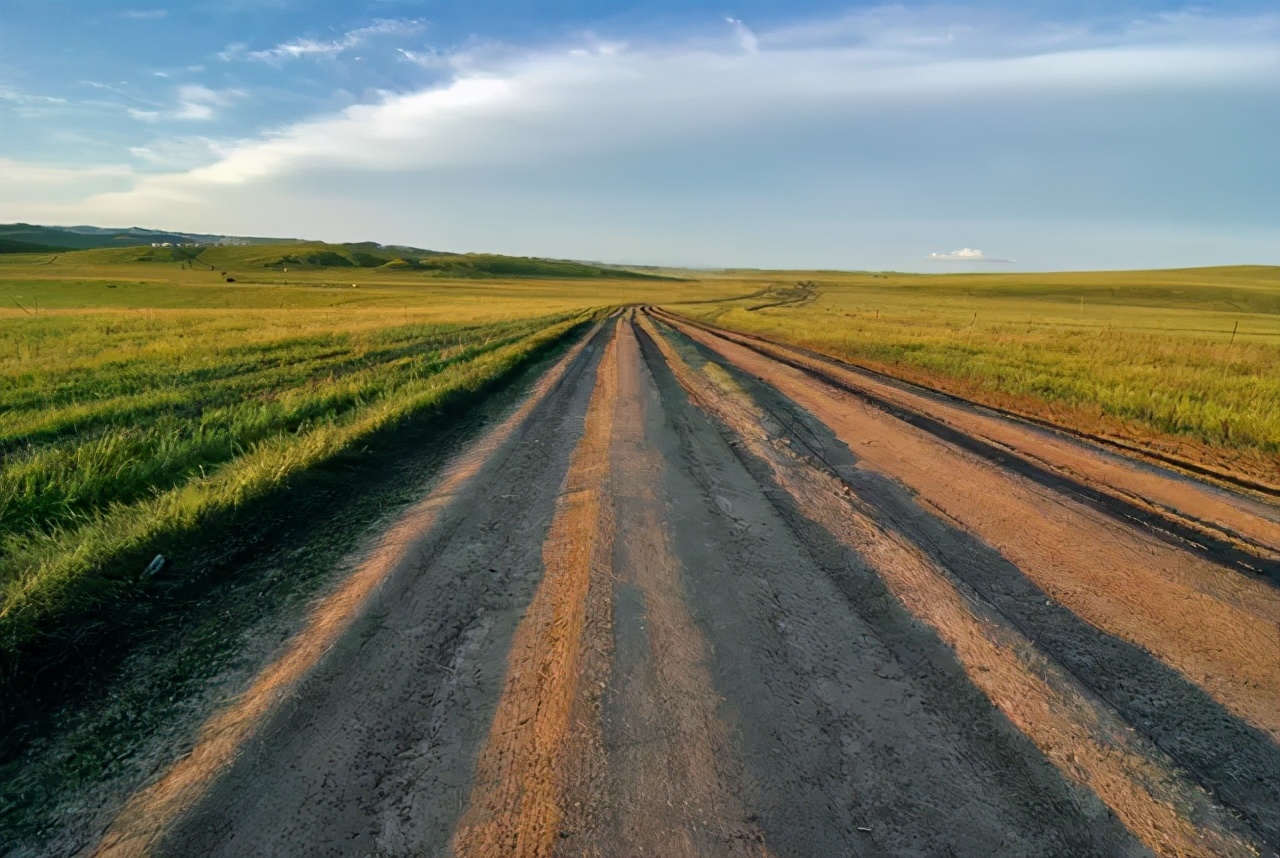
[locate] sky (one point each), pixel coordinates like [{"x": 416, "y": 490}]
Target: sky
[{"x": 732, "y": 133}]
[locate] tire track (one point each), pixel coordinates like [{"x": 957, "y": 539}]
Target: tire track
[
  {"x": 322, "y": 772},
  {"x": 515, "y": 806},
  {"x": 860, "y": 734},
  {"x": 1217, "y": 629},
  {"x": 967, "y": 521},
  {"x": 1230, "y": 529},
  {"x": 1082, "y": 737}
]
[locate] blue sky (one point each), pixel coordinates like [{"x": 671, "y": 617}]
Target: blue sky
[{"x": 808, "y": 134}]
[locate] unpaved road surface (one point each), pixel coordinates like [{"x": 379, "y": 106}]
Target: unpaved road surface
[{"x": 706, "y": 595}]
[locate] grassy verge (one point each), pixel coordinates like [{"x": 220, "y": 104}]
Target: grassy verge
[
  {"x": 63, "y": 575},
  {"x": 1183, "y": 362},
  {"x": 142, "y": 403}
]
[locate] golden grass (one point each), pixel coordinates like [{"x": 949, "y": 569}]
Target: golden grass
[{"x": 1187, "y": 361}]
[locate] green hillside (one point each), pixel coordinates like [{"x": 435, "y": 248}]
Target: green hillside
[
  {"x": 64, "y": 238},
  {"x": 88, "y": 237},
  {"x": 8, "y": 245},
  {"x": 307, "y": 256}
]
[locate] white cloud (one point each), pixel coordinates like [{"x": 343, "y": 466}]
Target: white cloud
[
  {"x": 545, "y": 112},
  {"x": 30, "y": 189},
  {"x": 24, "y": 173},
  {"x": 561, "y": 104},
  {"x": 964, "y": 254},
  {"x": 299, "y": 48},
  {"x": 200, "y": 102},
  {"x": 233, "y": 51},
  {"x": 427, "y": 60},
  {"x": 174, "y": 152},
  {"x": 311, "y": 47},
  {"x": 145, "y": 14}
]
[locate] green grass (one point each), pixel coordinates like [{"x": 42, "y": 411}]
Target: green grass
[
  {"x": 141, "y": 401},
  {"x": 76, "y": 511},
  {"x": 1149, "y": 356}
]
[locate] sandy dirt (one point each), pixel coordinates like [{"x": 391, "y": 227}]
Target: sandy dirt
[{"x": 710, "y": 596}]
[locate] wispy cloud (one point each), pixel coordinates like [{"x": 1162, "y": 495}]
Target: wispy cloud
[
  {"x": 313, "y": 47},
  {"x": 965, "y": 254},
  {"x": 193, "y": 102},
  {"x": 145, "y": 14},
  {"x": 123, "y": 90},
  {"x": 171, "y": 153},
  {"x": 746, "y": 37},
  {"x": 426, "y": 59},
  {"x": 29, "y": 105},
  {"x": 39, "y": 174},
  {"x": 14, "y": 96},
  {"x": 200, "y": 102}
]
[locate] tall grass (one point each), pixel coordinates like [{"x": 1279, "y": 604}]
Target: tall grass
[
  {"x": 156, "y": 424},
  {"x": 90, "y": 486}
]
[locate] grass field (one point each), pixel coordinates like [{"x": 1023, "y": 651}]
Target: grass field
[
  {"x": 140, "y": 399},
  {"x": 1184, "y": 361}
]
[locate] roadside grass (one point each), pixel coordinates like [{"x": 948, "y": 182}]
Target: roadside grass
[
  {"x": 114, "y": 431},
  {"x": 1186, "y": 362},
  {"x": 142, "y": 401},
  {"x": 81, "y": 517}
]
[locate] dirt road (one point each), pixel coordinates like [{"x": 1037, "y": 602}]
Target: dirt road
[{"x": 705, "y": 595}]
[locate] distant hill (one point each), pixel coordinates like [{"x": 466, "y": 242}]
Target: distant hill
[
  {"x": 367, "y": 255},
  {"x": 87, "y": 237},
  {"x": 316, "y": 255},
  {"x": 99, "y": 245},
  {"x": 8, "y": 245}
]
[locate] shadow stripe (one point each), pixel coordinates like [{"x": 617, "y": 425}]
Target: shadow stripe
[
  {"x": 1168, "y": 529},
  {"x": 1234, "y": 761}
]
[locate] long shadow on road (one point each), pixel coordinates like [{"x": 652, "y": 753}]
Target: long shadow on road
[
  {"x": 1234, "y": 761},
  {"x": 75, "y": 740},
  {"x": 861, "y": 732}
]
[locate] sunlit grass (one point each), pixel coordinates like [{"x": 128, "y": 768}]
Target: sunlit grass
[
  {"x": 77, "y": 513},
  {"x": 1182, "y": 358},
  {"x": 140, "y": 402}
]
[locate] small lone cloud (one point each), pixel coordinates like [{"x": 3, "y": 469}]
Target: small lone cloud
[
  {"x": 145, "y": 14},
  {"x": 746, "y": 38},
  {"x": 965, "y": 254}
]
